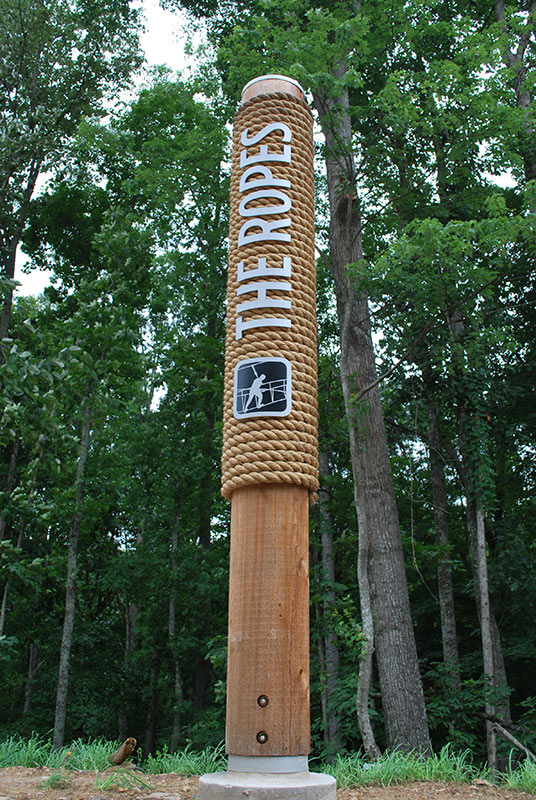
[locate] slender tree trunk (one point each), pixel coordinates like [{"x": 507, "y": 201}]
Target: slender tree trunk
[
  {"x": 172, "y": 629},
  {"x": 449, "y": 636},
  {"x": 206, "y": 497},
  {"x": 130, "y": 615},
  {"x": 70, "y": 588},
  {"x": 5, "y": 595},
  {"x": 322, "y": 671},
  {"x": 494, "y": 671},
  {"x": 3, "y": 607},
  {"x": 485, "y": 627},
  {"x": 365, "y": 670},
  {"x": 150, "y": 736},
  {"x": 329, "y": 603},
  {"x": 33, "y": 663},
  {"x": 398, "y": 667},
  {"x": 8, "y": 252},
  {"x": 475, "y": 518},
  {"x": 515, "y": 58},
  {"x": 10, "y": 480}
]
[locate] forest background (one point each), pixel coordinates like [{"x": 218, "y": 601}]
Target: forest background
[{"x": 113, "y": 534}]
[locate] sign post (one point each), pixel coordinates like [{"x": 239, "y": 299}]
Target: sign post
[{"x": 269, "y": 461}]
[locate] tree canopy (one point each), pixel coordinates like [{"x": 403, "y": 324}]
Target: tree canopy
[{"x": 113, "y": 533}]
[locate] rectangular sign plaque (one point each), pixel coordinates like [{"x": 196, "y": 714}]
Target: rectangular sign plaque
[{"x": 262, "y": 388}]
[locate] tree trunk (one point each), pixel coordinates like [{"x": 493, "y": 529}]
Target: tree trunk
[
  {"x": 70, "y": 589},
  {"x": 150, "y": 735},
  {"x": 485, "y": 627},
  {"x": 514, "y": 57},
  {"x": 398, "y": 668},
  {"x": 172, "y": 629},
  {"x": 329, "y": 603},
  {"x": 8, "y": 251},
  {"x": 5, "y": 595},
  {"x": 10, "y": 481},
  {"x": 3, "y": 607},
  {"x": 130, "y": 615},
  {"x": 365, "y": 669},
  {"x": 494, "y": 671},
  {"x": 33, "y": 663},
  {"x": 449, "y": 636},
  {"x": 476, "y": 528},
  {"x": 322, "y": 662}
]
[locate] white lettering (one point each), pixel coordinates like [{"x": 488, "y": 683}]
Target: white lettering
[
  {"x": 269, "y": 180},
  {"x": 272, "y": 126},
  {"x": 263, "y": 271},
  {"x": 260, "y": 178},
  {"x": 267, "y": 231},
  {"x": 281, "y": 208},
  {"x": 261, "y": 287},
  {"x": 265, "y": 155},
  {"x": 275, "y": 322}
]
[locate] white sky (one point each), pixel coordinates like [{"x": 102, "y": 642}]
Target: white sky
[{"x": 163, "y": 43}]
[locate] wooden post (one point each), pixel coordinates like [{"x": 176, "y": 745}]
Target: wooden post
[{"x": 268, "y": 658}]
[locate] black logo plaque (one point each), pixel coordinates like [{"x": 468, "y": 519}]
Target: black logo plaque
[{"x": 262, "y": 388}]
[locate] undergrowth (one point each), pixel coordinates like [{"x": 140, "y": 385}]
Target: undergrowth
[
  {"x": 37, "y": 752},
  {"x": 399, "y": 767},
  {"x": 393, "y": 767},
  {"x": 187, "y": 762}
]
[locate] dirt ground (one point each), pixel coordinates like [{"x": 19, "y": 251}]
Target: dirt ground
[{"x": 20, "y": 783}]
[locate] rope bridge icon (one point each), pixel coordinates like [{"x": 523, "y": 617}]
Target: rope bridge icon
[{"x": 262, "y": 388}]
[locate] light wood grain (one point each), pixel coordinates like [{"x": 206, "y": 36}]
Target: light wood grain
[{"x": 268, "y": 652}]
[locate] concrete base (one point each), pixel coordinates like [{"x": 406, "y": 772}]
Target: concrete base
[{"x": 233, "y": 785}]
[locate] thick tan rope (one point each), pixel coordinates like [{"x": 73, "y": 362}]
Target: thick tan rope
[{"x": 280, "y": 449}]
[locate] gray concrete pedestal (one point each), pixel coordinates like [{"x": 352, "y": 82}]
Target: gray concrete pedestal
[{"x": 234, "y": 785}]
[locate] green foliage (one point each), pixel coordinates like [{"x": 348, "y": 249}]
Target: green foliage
[
  {"x": 522, "y": 778},
  {"x": 187, "y": 762},
  {"x": 58, "y": 780},
  {"x": 35, "y": 751},
  {"x": 121, "y": 779},
  {"x": 133, "y": 223},
  {"x": 455, "y": 710},
  {"x": 396, "y": 767},
  {"x": 32, "y": 752}
]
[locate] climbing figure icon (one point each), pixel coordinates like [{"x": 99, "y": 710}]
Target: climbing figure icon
[
  {"x": 262, "y": 388},
  {"x": 255, "y": 391}
]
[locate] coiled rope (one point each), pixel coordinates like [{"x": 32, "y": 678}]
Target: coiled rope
[{"x": 281, "y": 449}]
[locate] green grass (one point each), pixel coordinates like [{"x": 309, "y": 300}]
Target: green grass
[
  {"x": 398, "y": 767},
  {"x": 522, "y": 778},
  {"x": 121, "y": 779},
  {"x": 36, "y": 752},
  {"x": 394, "y": 767},
  {"x": 187, "y": 762},
  {"x": 32, "y": 752},
  {"x": 58, "y": 780}
]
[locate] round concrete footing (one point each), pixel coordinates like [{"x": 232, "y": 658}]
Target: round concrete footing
[{"x": 233, "y": 785}]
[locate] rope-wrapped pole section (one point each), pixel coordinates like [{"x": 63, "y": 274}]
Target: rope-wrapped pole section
[
  {"x": 269, "y": 461},
  {"x": 270, "y": 398}
]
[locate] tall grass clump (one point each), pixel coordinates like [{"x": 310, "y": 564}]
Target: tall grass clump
[
  {"x": 399, "y": 767},
  {"x": 95, "y": 754},
  {"x": 37, "y": 752},
  {"x": 33, "y": 752},
  {"x": 187, "y": 762},
  {"x": 523, "y": 777}
]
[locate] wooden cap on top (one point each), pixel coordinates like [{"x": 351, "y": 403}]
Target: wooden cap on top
[{"x": 268, "y": 84}]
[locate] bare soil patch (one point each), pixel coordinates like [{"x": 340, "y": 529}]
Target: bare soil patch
[{"x": 21, "y": 783}]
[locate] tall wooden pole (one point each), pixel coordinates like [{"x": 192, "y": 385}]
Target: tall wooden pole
[
  {"x": 269, "y": 460},
  {"x": 268, "y": 657}
]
